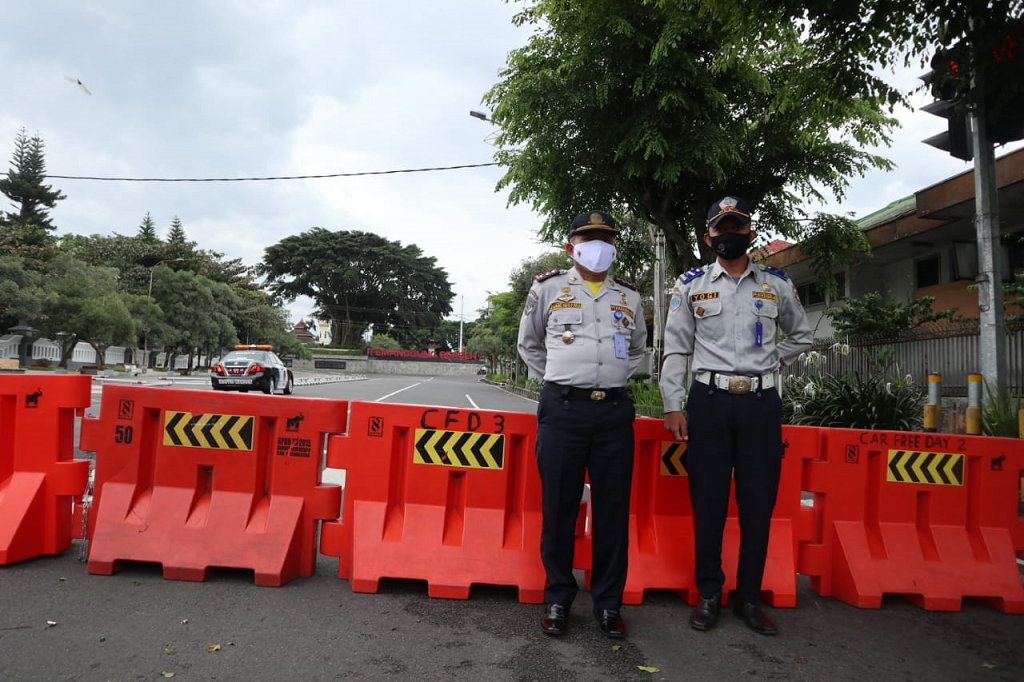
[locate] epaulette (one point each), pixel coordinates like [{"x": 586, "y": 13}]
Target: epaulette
[
  {"x": 774, "y": 271},
  {"x": 693, "y": 273},
  {"x": 623, "y": 282},
  {"x": 548, "y": 275}
]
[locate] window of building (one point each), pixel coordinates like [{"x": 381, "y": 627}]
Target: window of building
[
  {"x": 927, "y": 272},
  {"x": 811, "y": 294}
]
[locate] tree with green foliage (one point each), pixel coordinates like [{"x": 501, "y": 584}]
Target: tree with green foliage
[
  {"x": 147, "y": 230},
  {"x": 27, "y": 231},
  {"x": 196, "y": 311},
  {"x": 20, "y": 293},
  {"x": 358, "y": 279},
  {"x": 383, "y": 341},
  {"x": 859, "y": 36},
  {"x": 647, "y": 105},
  {"x": 83, "y": 299},
  {"x": 871, "y": 315}
]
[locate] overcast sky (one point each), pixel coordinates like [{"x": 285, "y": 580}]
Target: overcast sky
[{"x": 251, "y": 88}]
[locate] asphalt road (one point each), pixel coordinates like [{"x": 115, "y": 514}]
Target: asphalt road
[{"x": 57, "y": 622}]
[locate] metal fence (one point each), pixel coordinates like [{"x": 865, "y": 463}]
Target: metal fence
[{"x": 950, "y": 350}]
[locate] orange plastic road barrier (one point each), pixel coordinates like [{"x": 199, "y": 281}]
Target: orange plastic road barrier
[
  {"x": 446, "y": 495},
  {"x": 38, "y": 475},
  {"x": 661, "y": 520},
  {"x": 197, "y": 479},
  {"x": 925, "y": 516}
]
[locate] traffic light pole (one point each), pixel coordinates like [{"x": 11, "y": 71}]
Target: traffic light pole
[{"x": 990, "y": 279}]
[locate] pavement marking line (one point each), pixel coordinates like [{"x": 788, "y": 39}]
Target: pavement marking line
[
  {"x": 385, "y": 397},
  {"x": 475, "y": 406}
]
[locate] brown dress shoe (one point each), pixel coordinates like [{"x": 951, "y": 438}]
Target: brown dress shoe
[
  {"x": 555, "y": 619},
  {"x": 756, "y": 619},
  {"x": 705, "y": 615}
]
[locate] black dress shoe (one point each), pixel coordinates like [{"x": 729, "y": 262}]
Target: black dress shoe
[
  {"x": 756, "y": 619},
  {"x": 611, "y": 623},
  {"x": 705, "y": 615},
  {"x": 555, "y": 620}
]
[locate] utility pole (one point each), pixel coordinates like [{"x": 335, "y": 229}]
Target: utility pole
[
  {"x": 462, "y": 317},
  {"x": 990, "y": 278}
]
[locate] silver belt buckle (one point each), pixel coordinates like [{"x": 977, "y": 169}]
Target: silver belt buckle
[
  {"x": 739, "y": 384},
  {"x": 598, "y": 395}
]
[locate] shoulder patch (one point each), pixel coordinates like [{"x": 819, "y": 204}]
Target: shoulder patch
[
  {"x": 774, "y": 271},
  {"x": 693, "y": 273},
  {"x": 548, "y": 275},
  {"x": 623, "y": 282}
]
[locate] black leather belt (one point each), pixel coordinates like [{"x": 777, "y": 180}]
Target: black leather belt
[{"x": 573, "y": 393}]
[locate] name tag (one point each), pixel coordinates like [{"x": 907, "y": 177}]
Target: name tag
[
  {"x": 706, "y": 296},
  {"x": 559, "y": 306},
  {"x": 620, "y": 346},
  {"x": 622, "y": 309}
]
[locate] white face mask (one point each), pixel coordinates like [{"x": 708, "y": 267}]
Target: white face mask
[{"x": 596, "y": 255}]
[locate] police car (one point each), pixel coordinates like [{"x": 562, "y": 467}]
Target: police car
[{"x": 252, "y": 367}]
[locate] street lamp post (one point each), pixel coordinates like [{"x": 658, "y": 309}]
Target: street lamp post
[
  {"x": 152, "y": 269},
  {"x": 462, "y": 317}
]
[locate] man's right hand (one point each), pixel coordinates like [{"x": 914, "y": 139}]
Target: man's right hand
[{"x": 675, "y": 423}]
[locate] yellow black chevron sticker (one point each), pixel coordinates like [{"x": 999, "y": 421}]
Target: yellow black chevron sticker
[
  {"x": 935, "y": 468},
  {"x": 463, "y": 449},
  {"x": 672, "y": 458},
  {"x": 212, "y": 431}
]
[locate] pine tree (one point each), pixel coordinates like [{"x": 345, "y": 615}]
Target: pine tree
[
  {"x": 24, "y": 187},
  {"x": 176, "y": 235},
  {"x": 28, "y": 232},
  {"x": 147, "y": 230}
]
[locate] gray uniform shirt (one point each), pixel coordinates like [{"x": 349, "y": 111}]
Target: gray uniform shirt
[
  {"x": 714, "y": 320},
  {"x": 560, "y": 302}
]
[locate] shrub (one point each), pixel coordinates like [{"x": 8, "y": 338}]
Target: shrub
[
  {"x": 999, "y": 413},
  {"x": 885, "y": 399},
  {"x": 875, "y": 402},
  {"x": 646, "y": 398}
]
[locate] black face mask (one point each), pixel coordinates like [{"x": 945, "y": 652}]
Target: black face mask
[{"x": 730, "y": 245}]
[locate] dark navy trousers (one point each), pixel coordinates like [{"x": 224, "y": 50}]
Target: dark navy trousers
[
  {"x": 740, "y": 436},
  {"x": 577, "y": 438}
]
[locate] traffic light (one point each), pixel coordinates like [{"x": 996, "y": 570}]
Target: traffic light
[
  {"x": 949, "y": 82},
  {"x": 1004, "y": 85}
]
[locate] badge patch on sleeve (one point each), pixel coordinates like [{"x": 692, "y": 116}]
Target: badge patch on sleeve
[{"x": 674, "y": 302}]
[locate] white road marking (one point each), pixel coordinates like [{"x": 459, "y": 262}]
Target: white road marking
[
  {"x": 385, "y": 397},
  {"x": 475, "y": 406}
]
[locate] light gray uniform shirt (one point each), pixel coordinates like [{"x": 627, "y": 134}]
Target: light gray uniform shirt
[
  {"x": 715, "y": 320},
  {"x": 572, "y": 337}
]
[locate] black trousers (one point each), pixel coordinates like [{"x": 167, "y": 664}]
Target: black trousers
[
  {"x": 737, "y": 436},
  {"x": 575, "y": 438}
]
